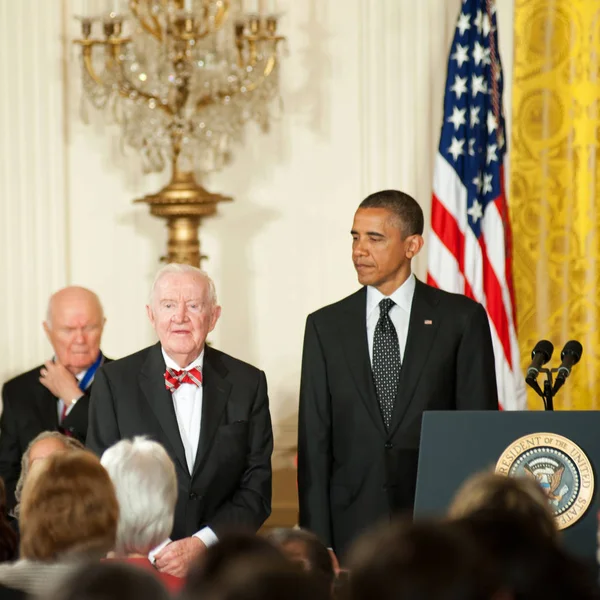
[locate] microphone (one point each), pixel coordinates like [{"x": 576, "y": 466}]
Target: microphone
[
  {"x": 570, "y": 356},
  {"x": 540, "y": 355}
]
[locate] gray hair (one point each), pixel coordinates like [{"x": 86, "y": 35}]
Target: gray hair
[
  {"x": 146, "y": 485},
  {"x": 178, "y": 268},
  {"x": 70, "y": 443}
]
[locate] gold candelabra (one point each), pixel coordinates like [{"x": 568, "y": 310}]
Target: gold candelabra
[{"x": 182, "y": 78}]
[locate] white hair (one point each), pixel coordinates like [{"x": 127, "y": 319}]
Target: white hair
[
  {"x": 146, "y": 485},
  {"x": 178, "y": 268}
]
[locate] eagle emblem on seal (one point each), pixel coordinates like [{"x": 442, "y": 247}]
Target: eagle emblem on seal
[{"x": 548, "y": 473}]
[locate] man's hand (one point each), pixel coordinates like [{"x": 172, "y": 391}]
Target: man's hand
[
  {"x": 60, "y": 381},
  {"x": 177, "y": 557}
]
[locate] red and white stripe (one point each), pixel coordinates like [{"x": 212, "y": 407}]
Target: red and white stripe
[{"x": 479, "y": 268}]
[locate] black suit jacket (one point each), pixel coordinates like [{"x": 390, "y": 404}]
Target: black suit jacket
[
  {"x": 28, "y": 409},
  {"x": 230, "y": 485},
  {"x": 352, "y": 472}
]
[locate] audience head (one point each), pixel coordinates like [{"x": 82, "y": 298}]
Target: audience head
[
  {"x": 304, "y": 547},
  {"x": 386, "y": 234},
  {"x": 8, "y": 537},
  {"x": 418, "y": 561},
  {"x": 42, "y": 446},
  {"x": 183, "y": 310},
  {"x": 258, "y": 578},
  {"x": 526, "y": 562},
  {"x": 110, "y": 581},
  {"x": 519, "y": 496},
  {"x": 74, "y": 324},
  {"x": 146, "y": 486},
  {"x": 68, "y": 507},
  {"x": 231, "y": 548},
  {"x": 511, "y": 522}
]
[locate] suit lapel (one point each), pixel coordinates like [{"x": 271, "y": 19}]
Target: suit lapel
[
  {"x": 422, "y": 329},
  {"x": 152, "y": 383},
  {"x": 215, "y": 393},
  {"x": 353, "y": 332}
]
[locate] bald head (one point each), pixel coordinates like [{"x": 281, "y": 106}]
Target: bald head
[
  {"x": 73, "y": 297},
  {"x": 74, "y": 325}
]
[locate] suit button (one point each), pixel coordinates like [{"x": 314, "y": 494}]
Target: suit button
[
  {"x": 388, "y": 445},
  {"x": 193, "y": 495},
  {"x": 384, "y": 488}
]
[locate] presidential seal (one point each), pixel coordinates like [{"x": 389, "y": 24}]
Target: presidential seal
[{"x": 560, "y": 467}]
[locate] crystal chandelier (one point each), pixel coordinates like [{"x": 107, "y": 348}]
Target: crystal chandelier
[{"x": 182, "y": 78}]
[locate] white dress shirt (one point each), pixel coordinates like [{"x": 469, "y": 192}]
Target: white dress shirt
[
  {"x": 187, "y": 402},
  {"x": 399, "y": 314}
]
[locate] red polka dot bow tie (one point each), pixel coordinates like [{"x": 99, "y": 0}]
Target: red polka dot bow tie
[{"x": 173, "y": 378}]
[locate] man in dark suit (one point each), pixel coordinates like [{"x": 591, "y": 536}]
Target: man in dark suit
[
  {"x": 55, "y": 395},
  {"x": 209, "y": 410},
  {"x": 372, "y": 363}
]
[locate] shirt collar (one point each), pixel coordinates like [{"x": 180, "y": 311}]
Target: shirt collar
[
  {"x": 79, "y": 376},
  {"x": 171, "y": 364},
  {"x": 403, "y": 296}
]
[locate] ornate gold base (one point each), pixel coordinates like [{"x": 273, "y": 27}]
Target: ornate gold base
[{"x": 183, "y": 203}]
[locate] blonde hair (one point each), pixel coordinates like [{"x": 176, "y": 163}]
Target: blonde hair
[
  {"x": 519, "y": 496},
  {"x": 68, "y": 506}
]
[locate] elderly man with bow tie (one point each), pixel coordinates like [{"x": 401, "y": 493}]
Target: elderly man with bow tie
[{"x": 209, "y": 410}]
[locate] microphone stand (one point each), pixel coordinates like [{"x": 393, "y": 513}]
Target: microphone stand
[{"x": 547, "y": 395}]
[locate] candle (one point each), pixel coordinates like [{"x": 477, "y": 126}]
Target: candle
[
  {"x": 187, "y": 6},
  {"x": 262, "y": 7}
]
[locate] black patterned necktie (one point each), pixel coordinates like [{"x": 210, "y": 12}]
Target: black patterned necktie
[{"x": 386, "y": 361}]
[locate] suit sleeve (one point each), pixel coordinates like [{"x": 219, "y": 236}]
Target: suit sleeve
[
  {"x": 476, "y": 387},
  {"x": 314, "y": 439},
  {"x": 76, "y": 422},
  {"x": 103, "y": 430},
  {"x": 250, "y": 505},
  {"x": 10, "y": 450}
]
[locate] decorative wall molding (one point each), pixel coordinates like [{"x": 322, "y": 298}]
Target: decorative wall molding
[
  {"x": 33, "y": 191},
  {"x": 404, "y": 53}
]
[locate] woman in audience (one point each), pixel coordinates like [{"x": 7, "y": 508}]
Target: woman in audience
[
  {"x": 511, "y": 523},
  {"x": 110, "y": 581},
  {"x": 43, "y": 445},
  {"x": 146, "y": 485},
  {"x": 527, "y": 564},
  {"x": 517, "y": 495},
  {"x": 69, "y": 514}
]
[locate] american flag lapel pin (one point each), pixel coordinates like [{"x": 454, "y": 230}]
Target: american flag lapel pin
[{"x": 428, "y": 322}]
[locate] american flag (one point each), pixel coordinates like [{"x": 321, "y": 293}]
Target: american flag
[{"x": 470, "y": 243}]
